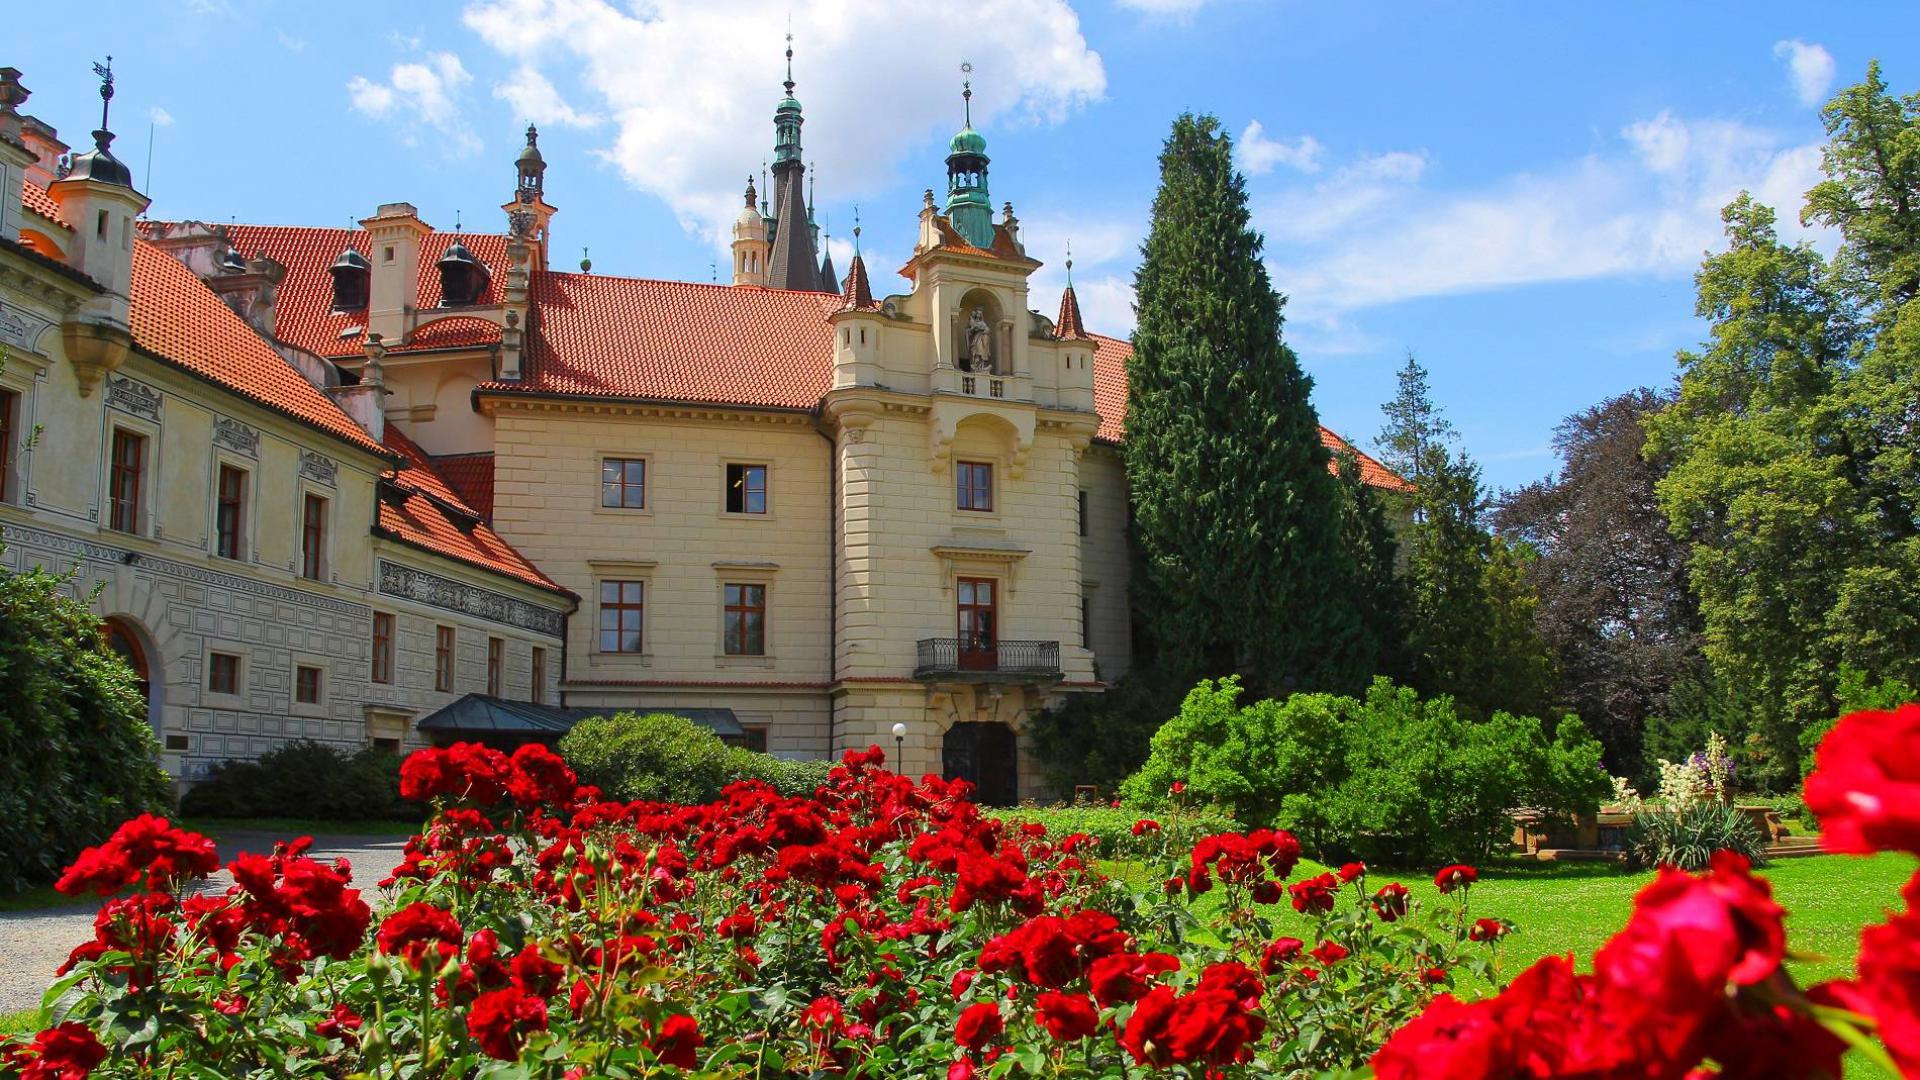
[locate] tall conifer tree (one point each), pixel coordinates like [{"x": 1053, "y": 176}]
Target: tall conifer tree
[{"x": 1239, "y": 518}]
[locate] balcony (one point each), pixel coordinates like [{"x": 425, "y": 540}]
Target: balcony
[{"x": 962, "y": 660}]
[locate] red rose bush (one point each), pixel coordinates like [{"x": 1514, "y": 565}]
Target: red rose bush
[{"x": 885, "y": 928}]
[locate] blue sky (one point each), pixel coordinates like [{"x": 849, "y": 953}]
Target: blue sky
[{"x": 1518, "y": 193}]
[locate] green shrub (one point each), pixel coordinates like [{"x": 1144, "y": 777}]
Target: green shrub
[
  {"x": 660, "y": 757},
  {"x": 1688, "y": 837},
  {"x": 1101, "y": 739},
  {"x": 305, "y": 779},
  {"x": 1113, "y": 826},
  {"x": 77, "y": 756},
  {"x": 1390, "y": 778}
]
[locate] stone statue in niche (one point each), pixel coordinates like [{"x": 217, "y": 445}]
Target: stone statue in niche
[{"x": 979, "y": 342}]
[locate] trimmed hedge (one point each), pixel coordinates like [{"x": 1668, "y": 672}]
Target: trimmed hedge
[
  {"x": 1113, "y": 826},
  {"x": 305, "y": 779},
  {"x": 77, "y": 756},
  {"x": 660, "y": 757}
]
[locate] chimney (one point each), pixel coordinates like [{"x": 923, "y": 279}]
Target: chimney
[
  {"x": 15, "y": 157},
  {"x": 394, "y": 233},
  {"x": 47, "y": 150}
]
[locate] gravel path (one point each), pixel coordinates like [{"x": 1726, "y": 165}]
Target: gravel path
[{"x": 35, "y": 943}]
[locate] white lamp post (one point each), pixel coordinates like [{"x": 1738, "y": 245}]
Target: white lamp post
[{"x": 899, "y": 744}]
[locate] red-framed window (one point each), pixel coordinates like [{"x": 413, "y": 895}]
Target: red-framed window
[
  {"x": 623, "y": 483},
  {"x": 223, "y": 673},
  {"x": 443, "y": 658},
  {"x": 306, "y": 685},
  {"x": 746, "y": 620},
  {"x": 313, "y": 538},
  {"x": 746, "y": 489},
  {"x": 973, "y": 485},
  {"x": 382, "y": 647},
  {"x": 623, "y": 616},
  {"x": 496, "y": 665},
  {"x": 230, "y": 512},
  {"x": 123, "y": 488}
]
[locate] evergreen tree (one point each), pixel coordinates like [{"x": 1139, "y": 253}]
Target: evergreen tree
[
  {"x": 1239, "y": 519},
  {"x": 1470, "y": 632},
  {"x": 1378, "y": 587}
]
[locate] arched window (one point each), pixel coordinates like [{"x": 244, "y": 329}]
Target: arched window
[{"x": 124, "y": 640}]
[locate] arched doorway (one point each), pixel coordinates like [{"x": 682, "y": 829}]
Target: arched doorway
[
  {"x": 986, "y": 755},
  {"x": 126, "y": 640}
]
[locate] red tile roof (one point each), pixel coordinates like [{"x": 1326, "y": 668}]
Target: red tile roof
[
  {"x": 1069, "y": 325},
  {"x": 426, "y": 512},
  {"x": 1110, "y": 401},
  {"x": 678, "y": 340},
  {"x": 35, "y": 198},
  {"x": 471, "y": 477},
  {"x": 458, "y": 332},
  {"x": 176, "y": 317},
  {"x": 305, "y": 315}
]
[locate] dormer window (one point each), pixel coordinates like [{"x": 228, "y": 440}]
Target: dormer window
[
  {"x": 463, "y": 278},
  {"x": 351, "y": 275}
]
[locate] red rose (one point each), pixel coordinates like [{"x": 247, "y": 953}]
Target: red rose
[
  {"x": 1144, "y": 826},
  {"x": 1449, "y": 1040},
  {"x": 962, "y": 979},
  {"x": 979, "y": 1025},
  {"x": 1119, "y": 979},
  {"x": 339, "y": 1024},
  {"x": 1352, "y": 870},
  {"x": 1487, "y": 930},
  {"x": 1067, "y": 1017},
  {"x": 1889, "y": 983},
  {"x": 417, "y": 930},
  {"x": 1455, "y": 877},
  {"x": 1865, "y": 786},
  {"x": 540, "y": 776},
  {"x": 66, "y": 1051},
  {"x": 1330, "y": 952},
  {"x": 1390, "y": 902},
  {"x": 1279, "y": 952},
  {"x": 678, "y": 1042},
  {"x": 536, "y": 974},
  {"x": 1689, "y": 936},
  {"x": 501, "y": 1020},
  {"x": 963, "y": 1069},
  {"x": 1314, "y": 896},
  {"x": 1179, "y": 787},
  {"x": 146, "y": 845}
]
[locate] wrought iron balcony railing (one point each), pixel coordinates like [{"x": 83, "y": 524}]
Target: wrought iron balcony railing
[{"x": 965, "y": 658}]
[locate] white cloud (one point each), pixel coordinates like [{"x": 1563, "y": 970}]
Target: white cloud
[
  {"x": 160, "y": 117},
  {"x": 419, "y": 93},
  {"x": 1259, "y": 154},
  {"x": 690, "y": 85},
  {"x": 1649, "y": 205},
  {"x": 1176, "y": 9},
  {"x": 535, "y": 100},
  {"x": 289, "y": 42},
  {"x": 1809, "y": 68}
]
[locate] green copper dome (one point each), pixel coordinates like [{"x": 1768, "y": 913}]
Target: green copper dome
[{"x": 968, "y": 141}]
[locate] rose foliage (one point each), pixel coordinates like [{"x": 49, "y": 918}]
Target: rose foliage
[{"x": 884, "y": 927}]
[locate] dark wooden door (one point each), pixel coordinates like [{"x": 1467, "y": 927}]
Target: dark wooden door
[
  {"x": 978, "y": 624},
  {"x": 985, "y": 755}
]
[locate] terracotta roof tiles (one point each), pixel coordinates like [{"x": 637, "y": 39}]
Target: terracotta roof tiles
[
  {"x": 471, "y": 477},
  {"x": 35, "y": 198},
  {"x": 426, "y": 512}
]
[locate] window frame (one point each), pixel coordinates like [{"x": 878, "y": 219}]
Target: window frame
[
  {"x": 619, "y": 607},
  {"x": 11, "y": 401},
  {"x": 747, "y": 611},
  {"x": 380, "y": 671},
  {"x": 237, "y": 504},
  {"x": 538, "y": 680},
  {"x": 126, "y": 481},
  {"x": 646, "y": 469},
  {"x": 746, "y": 471},
  {"x": 496, "y": 666},
  {"x": 757, "y": 737},
  {"x": 967, "y": 486},
  {"x": 300, "y": 681},
  {"x": 314, "y": 564},
  {"x": 446, "y": 657},
  {"x": 214, "y": 658}
]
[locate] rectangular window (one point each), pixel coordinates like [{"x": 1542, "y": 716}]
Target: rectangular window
[
  {"x": 390, "y": 744},
  {"x": 757, "y": 739},
  {"x": 746, "y": 489},
  {"x": 313, "y": 538},
  {"x": 539, "y": 693},
  {"x": 623, "y": 483},
  {"x": 382, "y": 647},
  {"x": 973, "y": 485},
  {"x": 9, "y": 405},
  {"x": 123, "y": 488},
  {"x": 306, "y": 685},
  {"x": 223, "y": 673},
  {"x": 443, "y": 658},
  {"x": 1083, "y": 513},
  {"x": 496, "y": 665},
  {"x": 746, "y": 620},
  {"x": 230, "y": 513},
  {"x": 623, "y": 610}
]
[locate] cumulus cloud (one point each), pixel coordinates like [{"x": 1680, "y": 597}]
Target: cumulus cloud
[
  {"x": 1259, "y": 154},
  {"x": 1649, "y": 204},
  {"x": 416, "y": 94},
  {"x": 535, "y": 100},
  {"x": 689, "y": 86},
  {"x": 1809, "y": 69}
]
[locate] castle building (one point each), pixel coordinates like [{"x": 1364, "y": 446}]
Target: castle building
[{"x": 395, "y": 484}]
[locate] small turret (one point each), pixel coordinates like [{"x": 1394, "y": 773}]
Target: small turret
[
  {"x": 750, "y": 249},
  {"x": 968, "y": 206},
  {"x": 1069, "y": 327},
  {"x": 529, "y": 215}
]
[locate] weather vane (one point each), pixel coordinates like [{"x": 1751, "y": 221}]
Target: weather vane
[
  {"x": 105, "y": 71},
  {"x": 966, "y": 88}
]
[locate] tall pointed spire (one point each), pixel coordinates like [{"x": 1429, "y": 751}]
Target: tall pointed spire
[
  {"x": 1069, "y": 326},
  {"x": 828, "y": 277},
  {"x": 794, "y": 263},
  {"x": 855, "y": 291},
  {"x": 968, "y": 206}
]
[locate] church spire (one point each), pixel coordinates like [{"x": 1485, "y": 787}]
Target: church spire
[
  {"x": 968, "y": 206},
  {"x": 794, "y": 263},
  {"x": 1069, "y": 327}
]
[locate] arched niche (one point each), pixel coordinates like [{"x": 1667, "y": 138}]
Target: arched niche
[{"x": 980, "y": 338}]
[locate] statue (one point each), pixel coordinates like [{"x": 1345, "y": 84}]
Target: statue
[{"x": 979, "y": 342}]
